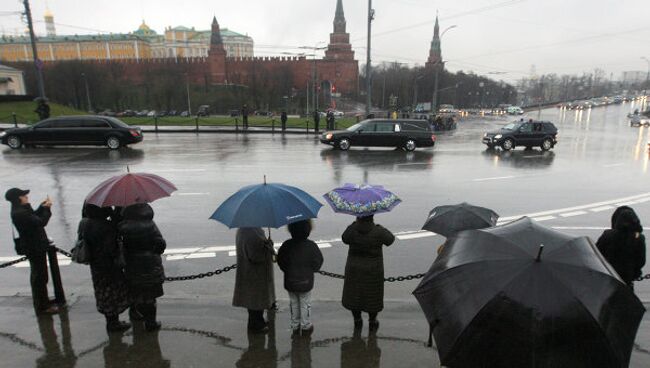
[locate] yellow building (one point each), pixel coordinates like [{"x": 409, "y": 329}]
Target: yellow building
[{"x": 143, "y": 43}]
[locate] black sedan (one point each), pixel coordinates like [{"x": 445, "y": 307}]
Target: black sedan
[
  {"x": 407, "y": 134},
  {"x": 74, "y": 130}
]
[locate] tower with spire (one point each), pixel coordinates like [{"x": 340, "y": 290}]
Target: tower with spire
[
  {"x": 217, "y": 54},
  {"x": 50, "y": 30},
  {"x": 435, "y": 54},
  {"x": 339, "y": 47}
]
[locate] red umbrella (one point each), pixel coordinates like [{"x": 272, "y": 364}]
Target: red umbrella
[{"x": 130, "y": 188}]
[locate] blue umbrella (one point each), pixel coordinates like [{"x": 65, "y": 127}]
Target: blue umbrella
[{"x": 266, "y": 205}]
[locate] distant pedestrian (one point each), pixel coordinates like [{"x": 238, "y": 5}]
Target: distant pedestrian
[
  {"x": 244, "y": 116},
  {"x": 283, "y": 120},
  {"x": 142, "y": 246},
  {"x": 623, "y": 246},
  {"x": 254, "y": 285},
  {"x": 316, "y": 120},
  {"x": 111, "y": 293},
  {"x": 330, "y": 120},
  {"x": 363, "y": 286},
  {"x": 33, "y": 243},
  {"x": 42, "y": 109},
  {"x": 299, "y": 258}
]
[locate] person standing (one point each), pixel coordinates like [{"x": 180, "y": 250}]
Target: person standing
[
  {"x": 316, "y": 120},
  {"x": 283, "y": 120},
  {"x": 623, "y": 246},
  {"x": 299, "y": 258},
  {"x": 42, "y": 109},
  {"x": 330, "y": 120},
  {"x": 109, "y": 283},
  {"x": 142, "y": 245},
  {"x": 363, "y": 286},
  {"x": 34, "y": 243},
  {"x": 254, "y": 286},
  {"x": 244, "y": 116}
]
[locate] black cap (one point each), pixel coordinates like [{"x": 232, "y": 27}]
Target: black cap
[{"x": 12, "y": 194}]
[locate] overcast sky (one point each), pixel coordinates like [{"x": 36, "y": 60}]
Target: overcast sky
[{"x": 503, "y": 38}]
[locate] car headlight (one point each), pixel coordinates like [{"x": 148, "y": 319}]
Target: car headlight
[
  {"x": 498, "y": 136},
  {"x": 484, "y": 135},
  {"x": 2, "y": 134},
  {"x": 328, "y": 136}
]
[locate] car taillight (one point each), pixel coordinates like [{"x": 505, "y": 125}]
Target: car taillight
[
  {"x": 134, "y": 133},
  {"x": 433, "y": 137}
]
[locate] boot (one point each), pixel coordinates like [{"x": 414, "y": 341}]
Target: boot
[
  {"x": 149, "y": 312},
  {"x": 113, "y": 324}
]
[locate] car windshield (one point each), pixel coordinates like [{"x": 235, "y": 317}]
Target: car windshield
[
  {"x": 119, "y": 122},
  {"x": 355, "y": 127},
  {"x": 511, "y": 126}
]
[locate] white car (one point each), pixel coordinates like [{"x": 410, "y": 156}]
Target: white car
[{"x": 151, "y": 114}]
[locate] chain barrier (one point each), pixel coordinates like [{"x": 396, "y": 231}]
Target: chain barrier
[
  {"x": 643, "y": 278},
  {"x": 201, "y": 275},
  {"x": 11, "y": 263},
  {"x": 387, "y": 279},
  {"x": 64, "y": 252}
]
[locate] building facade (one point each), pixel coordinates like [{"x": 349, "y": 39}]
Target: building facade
[{"x": 11, "y": 81}]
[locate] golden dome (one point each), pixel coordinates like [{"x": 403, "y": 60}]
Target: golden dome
[{"x": 48, "y": 13}]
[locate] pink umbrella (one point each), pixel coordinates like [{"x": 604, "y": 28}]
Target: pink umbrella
[{"x": 130, "y": 188}]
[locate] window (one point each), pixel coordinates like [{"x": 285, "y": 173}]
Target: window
[
  {"x": 526, "y": 128},
  {"x": 537, "y": 127},
  {"x": 95, "y": 124},
  {"x": 385, "y": 127},
  {"x": 413, "y": 127}
]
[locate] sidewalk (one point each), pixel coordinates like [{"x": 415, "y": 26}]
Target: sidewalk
[
  {"x": 206, "y": 129},
  {"x": 210, "y": 333}
]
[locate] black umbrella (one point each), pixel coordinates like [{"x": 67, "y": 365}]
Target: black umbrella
[
  {"x": 448, "y": 220},
  {"x": 523, "y": 295}
]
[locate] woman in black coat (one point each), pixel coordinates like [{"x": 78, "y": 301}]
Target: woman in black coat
[
  {"x": 142, "y": 246},
  {"x": 111, "y": 293},
  {"x": 34, "y": 243},
  {"x": 623, "y": 246}
]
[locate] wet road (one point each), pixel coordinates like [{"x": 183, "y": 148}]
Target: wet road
[{"x": 599, "y": 163}]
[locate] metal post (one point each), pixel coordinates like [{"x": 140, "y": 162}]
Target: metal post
[
  {"x": 273, "y": 125},
  {"x": 90, "y": 106},
  {"x": 155, "y": 122},
  {"x": 371, "y": 15},
  {"x": 13, "y": 115},
  {"x": 187, "y": 88},
  {"x": 59, "y": 294},
  {"x": 37, "y": 62},
  {"x": 196, "y": 122}
]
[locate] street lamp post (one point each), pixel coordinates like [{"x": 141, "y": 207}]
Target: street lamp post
[
  {"x": 314, "y": 70},
  {"x": 647, "y": 77},
  {"x": 415, "y": 91},
  {"x": 90, "y": 106},
  {"x": 434, "y": 100},
  {"x": 187, "y": 89},
  {"x": 38, "y": 63},
  {"x": 371, "y": 17}
]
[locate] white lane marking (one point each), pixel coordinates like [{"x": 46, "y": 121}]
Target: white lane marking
[
  {"x": 614, "y": 165},
  {"x": 571, "y": 214},
  {"x": 201, "y": 255},
  {"x": 642, "y": 200},
  {"x": 191, "y": 194},
  {"x": 494, "y": 178},
  {"x": 232, "y": 253},
  {"x": 424, "y": 234},
  {"x": 543, "y": 218},
  {"x": 180, "y": 250},
  {"x": 602, "y": 208},
  {"x": 22, "y": 264},
  {"x": 176, "y": 257},
  {"x": 325, "y": 245},
  {"x": 222, "y": 248},
  {"x": 576, "y": 208},
  {"x": 585, "y": 228},
  {"x": 8, "y": 259}
]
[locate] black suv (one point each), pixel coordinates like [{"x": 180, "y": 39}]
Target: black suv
[
  {"x": 528, "y": 134},
  {"x": 74, "y": 130},
  {"x": 407, "y": 134}
]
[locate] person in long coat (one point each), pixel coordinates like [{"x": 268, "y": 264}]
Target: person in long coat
[
  {"x": 623, "y": 246},
  {"x": 363, "y": 286},
  {"x": 34, "y": 242},
  {"x": 254, "y": 286},
  {"x": 109, "y": 283},
  {"x": 142, "y": 246}
]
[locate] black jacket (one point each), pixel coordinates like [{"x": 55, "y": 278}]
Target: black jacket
[
  {"x": 100, "y": 236},
  {"x": 625, "y": 251},
  {"x": 299, "y": 259},
  {"x": 143, "y": 244},
  {"x": 31, "y": 228}
]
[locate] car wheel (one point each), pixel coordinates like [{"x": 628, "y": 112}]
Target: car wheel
[
  {"x": 344, "y": 144},
  {"x": 14, "y": 142},
  {"x": 410, "y": 145},
  {"x": 113, "y": 143},
  {"x": 646, "y": 124},
  {"x": 547, "y": 144},
  {"x": 508, "y": 144}
]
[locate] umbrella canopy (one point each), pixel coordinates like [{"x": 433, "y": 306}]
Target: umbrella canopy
[
  {"x": 448, "y": 220},
  {"x": 130, "y": 188},
  {"x": 494, "y": 299},
  {"x": 266, "y": 205},
  {"x": 361, "y": 200}
]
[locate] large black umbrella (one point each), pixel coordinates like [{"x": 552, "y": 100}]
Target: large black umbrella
[
  {"x": 448, "y": 220},
  {"x": 523, "y": 295}
]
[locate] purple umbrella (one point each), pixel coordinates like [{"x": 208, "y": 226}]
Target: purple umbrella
[{"x": 361, "y": 200}]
